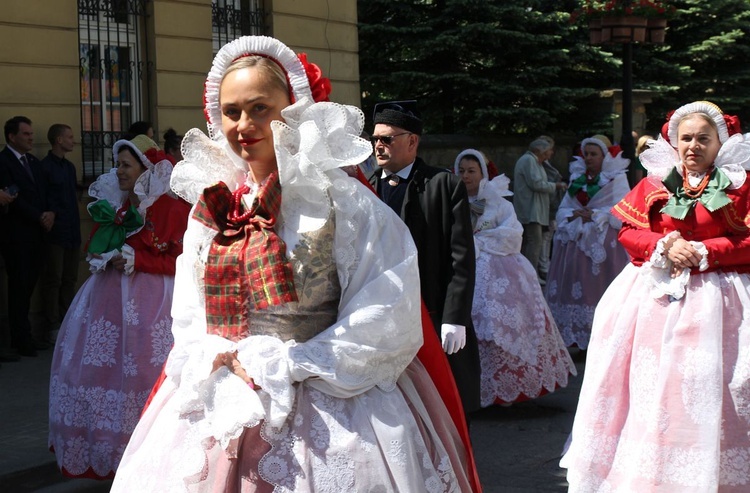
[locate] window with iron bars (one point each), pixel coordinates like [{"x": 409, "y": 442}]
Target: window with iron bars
[
  {"x": 114, "y": 76},
  {"x": 234, "y": 18}
]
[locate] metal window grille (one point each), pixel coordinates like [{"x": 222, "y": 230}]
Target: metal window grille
[
  {"x": 114, "y": 76},
  {"x": 234, "y": 18}
]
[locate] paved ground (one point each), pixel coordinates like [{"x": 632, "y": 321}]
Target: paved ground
[{"x": 517, "y": 448}]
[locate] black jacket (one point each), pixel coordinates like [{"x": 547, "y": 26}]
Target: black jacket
[
  {"x": 22, "y": 223},
  {"x": 436, "y": 211}
]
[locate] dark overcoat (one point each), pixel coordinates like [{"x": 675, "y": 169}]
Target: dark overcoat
[{"x": 436, "y": 211}]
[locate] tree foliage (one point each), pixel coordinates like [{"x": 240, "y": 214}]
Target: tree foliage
[
  {"x": 504, "y": 67},
  {"x": 706, "y": 56}
]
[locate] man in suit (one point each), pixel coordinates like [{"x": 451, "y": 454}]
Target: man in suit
[
  {"x": 434, "y": 205},
  {"x": 24, "y": 226}
]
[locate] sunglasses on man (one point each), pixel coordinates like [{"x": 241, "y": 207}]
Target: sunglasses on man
[{"x": 386, "y": 139}]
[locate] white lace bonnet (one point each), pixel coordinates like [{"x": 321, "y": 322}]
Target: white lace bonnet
[
  {"x": 707, "y": 108},
  {"x": 313, "y": 139},
  {"x": 154, "y": 182},
  {"x": 611, "y": 166},
  {"x": 140, "y": 144},
  {"x": 599, "y": 140},
  {"x": 246, "y": 46}
]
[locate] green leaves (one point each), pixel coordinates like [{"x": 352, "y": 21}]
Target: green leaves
[{"x": 504, "y": 67}]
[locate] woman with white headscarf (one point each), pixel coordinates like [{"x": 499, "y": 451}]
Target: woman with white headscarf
[
  {"x": 521, "y": 352},
  {"x": 665, "y": 403},
  {"x": 586, "y": 256},
  {"x": 116, "y": 336}
]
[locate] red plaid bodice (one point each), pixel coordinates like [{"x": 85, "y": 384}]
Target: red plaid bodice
[
  {"x": 247, "y": 266},
  {"x": 250, "y": 285}
]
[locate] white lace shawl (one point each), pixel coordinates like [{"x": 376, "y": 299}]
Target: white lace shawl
[
  {"x": 590, "y": 236},
  {"x": 378, "y": 328},
  {"x": 497, "y": 230}
]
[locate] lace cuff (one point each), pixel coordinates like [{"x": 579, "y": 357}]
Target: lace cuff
[
  {"x": 659, "y": 256},
  {"x": 600, "y": 219},
  {"x": 219, "y": 404},
  {"x": 99, "y": 264},
  {"x": 129, "y": 255},
  {"x": 701, "y": 248},
  {"x": 659, "y": 271},
  {"x": 266, "y": 361}
]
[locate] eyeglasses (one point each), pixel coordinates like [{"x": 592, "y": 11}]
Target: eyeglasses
[{"x": 386, "y": 139}]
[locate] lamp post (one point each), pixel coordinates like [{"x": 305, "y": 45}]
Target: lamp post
[
  {"x": 626, "y": 140},
  {"x": 626, "y": 30}
]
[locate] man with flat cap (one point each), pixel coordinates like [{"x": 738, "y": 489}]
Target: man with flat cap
[{"x": 435, "y": 206}]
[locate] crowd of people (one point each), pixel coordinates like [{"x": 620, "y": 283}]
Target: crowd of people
[{"x": 261, "y": 316}]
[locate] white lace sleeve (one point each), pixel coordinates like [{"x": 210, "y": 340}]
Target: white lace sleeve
[
  {"x": 378, "y": 331},
  {"x": 568, "y": 229},
  {"x": 658, "y": 257},
  {"x": 658, "y": 272},
  {"x": 128, "y": 253}
]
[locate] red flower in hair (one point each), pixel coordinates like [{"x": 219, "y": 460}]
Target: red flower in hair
[
  {"x": 492, "y": 170},
  {"x": 319, "y": 86},
  {"x": 665, "y": 127},
  {"x": 157, "y": 155},
  {"x": 733, "y": 124}
]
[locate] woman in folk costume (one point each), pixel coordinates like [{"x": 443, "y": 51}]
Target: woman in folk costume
[
  {"x": 521, "y": 351},
  {"x": 297, "y": 312},
  {"x": 586, "y": 256},
  {"x": 665, "y": 403},
  {"x": 116, "y": 336}
]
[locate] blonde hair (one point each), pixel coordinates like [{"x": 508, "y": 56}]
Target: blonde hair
[
  {"x": 641, "y": 146},
  {"x": 270, "y": 70}
]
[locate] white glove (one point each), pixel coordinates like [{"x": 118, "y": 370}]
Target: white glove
[{"x": 453, "y": 336}]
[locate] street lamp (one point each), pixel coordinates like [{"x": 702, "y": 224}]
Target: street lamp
[{"x": 625, "y": 23}]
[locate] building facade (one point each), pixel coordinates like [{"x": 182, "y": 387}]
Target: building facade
[{"x": 99, "y": 65}]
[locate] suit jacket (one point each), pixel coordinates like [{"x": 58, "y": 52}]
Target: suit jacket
[
  {"x": 21, "y": 225},
  {"x": 436, "y": 211}
]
